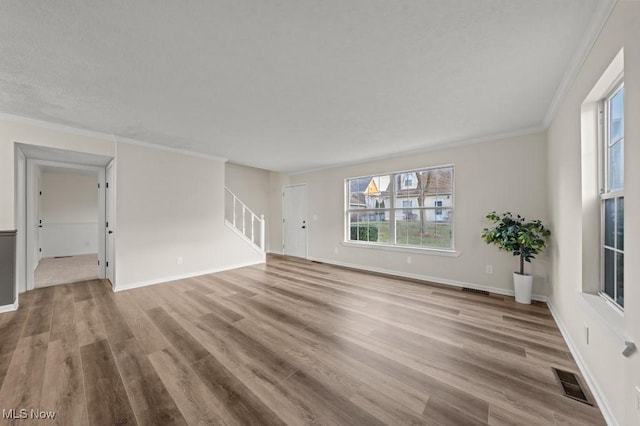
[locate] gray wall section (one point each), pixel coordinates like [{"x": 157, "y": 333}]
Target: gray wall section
[{"x": 7, "y": 267}]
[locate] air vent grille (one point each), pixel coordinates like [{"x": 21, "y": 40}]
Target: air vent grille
[
  {"x": 571, "y": 386},
  {"x": 473, "y": 290}
]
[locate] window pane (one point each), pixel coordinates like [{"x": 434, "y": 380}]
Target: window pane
[
  {"x": 369, "y": 192},
  {"x": 609, "y": 277},
  {"x": 417, "y": 210},
  {"x": 408, "y": 227},
  {"x": 444, "y": 181},
  {"x": 620, "y": 223},
  {"x": 616, "y": 166},
  {"x": 616, "y": 113},
  {"x": 424, "y": 228},
  {"x": 425, "y": 182},
  {"x": 442, "y": 237},
  {"x": 620, "y": 279},
  {"x": 370, "y": 226},
  {"x": 609, "y": 220}
]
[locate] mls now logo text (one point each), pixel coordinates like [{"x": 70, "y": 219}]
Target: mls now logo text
[{"x": 23, "y": 413}]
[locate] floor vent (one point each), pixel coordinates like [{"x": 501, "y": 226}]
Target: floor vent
[
  {"x": 315, "y": 261},
  {"x": 571, "y": 386},
  {"x": 473, "y": 290},
  {"x": 61, "y": 257}
]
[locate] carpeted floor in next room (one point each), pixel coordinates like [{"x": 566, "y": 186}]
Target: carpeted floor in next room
[{"x": 68, "y": 269}]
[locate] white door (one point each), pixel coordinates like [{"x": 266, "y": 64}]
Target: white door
[
  {"x": 294, "y": 217},
  {"x": 110, "y": 224}
]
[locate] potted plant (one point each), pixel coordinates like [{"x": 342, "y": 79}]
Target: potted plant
[{"x": 522, "y": 238}]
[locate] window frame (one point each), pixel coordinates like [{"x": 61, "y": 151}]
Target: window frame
[
  {"x": 604, "y": 124},
  {"x": 392, "y": 210}
]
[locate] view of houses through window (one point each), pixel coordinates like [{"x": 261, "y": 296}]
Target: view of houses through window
[{"x": 412, "y": 208}]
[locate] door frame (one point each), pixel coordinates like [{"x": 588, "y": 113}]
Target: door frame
[
  {"x": 110, "y": 199},
  {"x": 306, "y": 199},
  {"x": 30, "y": 234}
]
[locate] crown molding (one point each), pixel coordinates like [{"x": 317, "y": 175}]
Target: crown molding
[
  {"x": 102, "y": 136},
  {"x": 129, "y": 141},
  {"x": 53, "y": 126},
  {"x": 435, "y": 147},
  {"x": 601, "y": 15}
]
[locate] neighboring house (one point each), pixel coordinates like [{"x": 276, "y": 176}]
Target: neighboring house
[
  {"x": 434, "y": 187},
  {"x": 430, "y": 189},
  {"x": 364, "y": 193}
]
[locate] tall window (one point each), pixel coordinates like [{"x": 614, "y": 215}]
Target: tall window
[
  {"x": 612, "y": 196},
  {"x": 413, "y": 208}
]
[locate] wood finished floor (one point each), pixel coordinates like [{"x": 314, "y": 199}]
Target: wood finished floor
[{"x": 289, "y": 342}]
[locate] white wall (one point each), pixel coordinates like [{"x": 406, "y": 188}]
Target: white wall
[
  {"x": 69, "y": 198},
  {"x": 614, "y": 376},
  {"x": 171, "y": 206},
  {"x": 69, "y": 214},
  {"x": 69, "y": 239},
  {"x": 251, "y": 185},
  {"x": 53, "y": 137},
  {"x": 501, "y": 175}
]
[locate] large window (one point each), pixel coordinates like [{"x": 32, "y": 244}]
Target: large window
[
  {"x": 411, "y": 208},
  {"x": 612, "y": 196}
]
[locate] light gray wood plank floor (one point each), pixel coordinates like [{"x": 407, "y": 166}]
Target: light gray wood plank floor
[{"x": 289, "y": 342}]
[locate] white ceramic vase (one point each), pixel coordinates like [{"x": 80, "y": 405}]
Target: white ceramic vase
[{"x": 523, "y": 285}]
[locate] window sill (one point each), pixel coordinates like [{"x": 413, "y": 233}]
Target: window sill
[
  {"x": 605, "y": 313},
  {"x": 387, "y": 247}
]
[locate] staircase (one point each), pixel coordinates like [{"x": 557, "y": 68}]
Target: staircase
[{"x": 244, "y": 222}]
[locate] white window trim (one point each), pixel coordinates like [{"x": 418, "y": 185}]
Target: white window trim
[
  {"x": 603, "y": 178},
  {"x": 400, "y": 247}
]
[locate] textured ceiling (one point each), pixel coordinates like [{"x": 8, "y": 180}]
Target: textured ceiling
[{"x": 289, "y": 85}]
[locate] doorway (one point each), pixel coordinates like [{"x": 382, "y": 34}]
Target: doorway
[
  {"x": 294, "y": 218},
  {"x": 69, "y": 248},
  {"x": 66, "y": 208}
]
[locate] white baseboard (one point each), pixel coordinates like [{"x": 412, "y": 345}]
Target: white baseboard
[
  {"x": 139, "y": 284},
  {"x": 9, "y": 308},
  {"x": 588, "y": 377},
  {"x": 437, "y": 280}
]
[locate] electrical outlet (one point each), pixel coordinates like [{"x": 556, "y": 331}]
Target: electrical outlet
[
  {"x": 179, "y": 261},
  {"x": 409, "y": 260},
  {"x": 488, "y": 269},
  {"x": 336, "y": 250}
]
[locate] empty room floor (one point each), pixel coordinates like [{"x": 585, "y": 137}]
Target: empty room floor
[
  {"x": 66, "y": 269},
  {"x": 289, "y": 342}
]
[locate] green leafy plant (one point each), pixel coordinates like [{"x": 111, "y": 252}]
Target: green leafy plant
[
  {"x": 364, "y": 233},
  {"x": 516, "y": 235}
]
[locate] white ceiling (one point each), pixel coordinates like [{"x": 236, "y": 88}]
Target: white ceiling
[{"x": 291, "y": 85}]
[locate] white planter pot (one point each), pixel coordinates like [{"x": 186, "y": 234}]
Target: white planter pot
[{"x": 523, "y": 285}]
